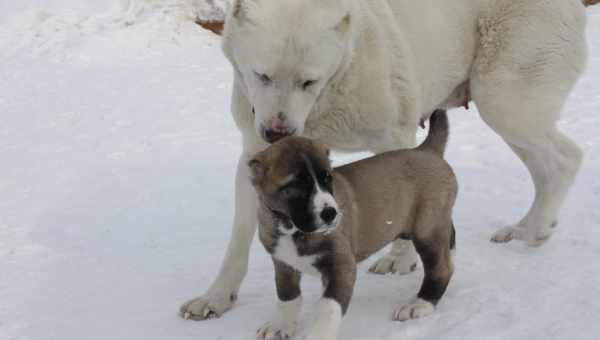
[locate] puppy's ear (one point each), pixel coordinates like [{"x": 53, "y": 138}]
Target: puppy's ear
[
  {"x": 322, "y": 148},
  {"x": 258, "y": 169}
]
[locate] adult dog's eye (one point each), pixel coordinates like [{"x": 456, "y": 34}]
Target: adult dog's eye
[
  {"x": 307, "y": 84},
  {"x": 265, "y": 79}
]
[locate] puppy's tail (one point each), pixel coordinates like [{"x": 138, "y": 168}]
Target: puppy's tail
[
  {"x": 590, "y": 2},
  {"x": 438, "y": 133}
]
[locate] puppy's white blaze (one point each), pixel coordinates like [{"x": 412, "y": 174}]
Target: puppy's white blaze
[
  {"x": 328, "y": 318},
  {"x": 321, "y": 200},
  {"x": 286, "y": 252}
]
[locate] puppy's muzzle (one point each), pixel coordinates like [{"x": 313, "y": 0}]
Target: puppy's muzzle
[{"x": 328, "y": 214}]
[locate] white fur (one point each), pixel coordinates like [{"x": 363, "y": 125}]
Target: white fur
[
  {"x": 286, "y": 252},
  {"x": 328, "y": 318},
  {"x": 383, "y": 69},
  {"x": 416, "y": 310},
  {"x": 282, "y": 229},
  {"x": 284, "y": 323},
  {"x": 321, "y": 200},
  {"x": 401, "y": 259}
]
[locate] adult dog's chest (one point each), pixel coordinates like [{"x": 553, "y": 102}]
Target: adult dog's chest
[{"x": 339, "y": 121}]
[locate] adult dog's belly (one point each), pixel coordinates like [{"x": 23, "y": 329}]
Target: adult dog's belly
[{"x": 443, "y": 38}]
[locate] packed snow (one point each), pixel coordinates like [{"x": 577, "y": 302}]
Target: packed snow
[{"x": 118, "y": 154}]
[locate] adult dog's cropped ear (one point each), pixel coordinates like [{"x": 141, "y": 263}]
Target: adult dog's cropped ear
[{"x": 258, "y": 169}]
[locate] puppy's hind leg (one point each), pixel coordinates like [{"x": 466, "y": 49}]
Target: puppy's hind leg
[{"x": 434, "y": 251}]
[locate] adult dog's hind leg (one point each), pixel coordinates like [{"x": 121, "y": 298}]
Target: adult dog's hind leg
[
  {"x": 525, "y": 118},
  {"x": 552, "y": 161},
  {"x": 525, "y": 68}
]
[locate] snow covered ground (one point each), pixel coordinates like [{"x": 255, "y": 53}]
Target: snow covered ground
[{"x": 117, "y": 156}]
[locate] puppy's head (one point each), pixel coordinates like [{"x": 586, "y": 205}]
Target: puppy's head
[{"x": 293, "y": 179}]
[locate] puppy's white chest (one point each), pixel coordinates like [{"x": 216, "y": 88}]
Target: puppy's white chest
[{"x": 287, "y": 252}]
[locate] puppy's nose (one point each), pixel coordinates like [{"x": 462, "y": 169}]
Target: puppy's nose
[{"x": 328, "y": 214}]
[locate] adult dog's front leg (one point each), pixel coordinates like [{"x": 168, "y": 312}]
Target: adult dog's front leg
[{"x": 223, "y": 292}]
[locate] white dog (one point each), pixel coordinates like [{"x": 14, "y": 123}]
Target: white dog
[{"x": 360, "y": 75}]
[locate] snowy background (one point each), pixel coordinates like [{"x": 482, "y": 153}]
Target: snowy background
[{"x": 117, "y": 157}]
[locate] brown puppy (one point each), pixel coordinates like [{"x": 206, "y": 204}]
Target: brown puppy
[{"x": 323, "y": 221}]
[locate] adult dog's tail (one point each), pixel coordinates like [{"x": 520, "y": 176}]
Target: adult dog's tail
[
  {"x": 438, "y": 133},
  {"x": 591, "y": 2}
]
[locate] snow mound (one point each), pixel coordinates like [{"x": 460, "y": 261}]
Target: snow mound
[{"x": 70, "y": 30}]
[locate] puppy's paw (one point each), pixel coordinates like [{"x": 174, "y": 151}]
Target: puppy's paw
[
  {"x": 419, "y": 309},
  {"x": 394, "y": 264},
  {"x": 276, "y": 330},
  {"x": 508, "y": 234},
  {"x": 206, "y": 307}
]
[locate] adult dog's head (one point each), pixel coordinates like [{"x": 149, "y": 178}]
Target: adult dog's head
[
  {"x": 294, "y": 181},
  {"x": 285, "y": 53}
]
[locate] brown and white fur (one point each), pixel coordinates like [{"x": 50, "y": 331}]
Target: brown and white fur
[{"x": 322, "y": 221}]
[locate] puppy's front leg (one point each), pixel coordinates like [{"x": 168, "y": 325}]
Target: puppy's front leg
[
  {"x": 284, "y": 324},
  {"x": 338, "y": 279}
]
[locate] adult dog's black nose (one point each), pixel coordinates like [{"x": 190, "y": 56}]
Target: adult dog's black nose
[
  {"x": 272, "y": 136},
  {"x": 328, "y": 214}
]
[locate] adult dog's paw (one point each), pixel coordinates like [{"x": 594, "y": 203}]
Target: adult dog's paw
[
  {"x": 206, "y": 307},
  {"x": 508, "y": 234},
  {"x": 533, "y": 236},
  {"x": 394, "y": 264},
  {"x": 419, "y": 309},
  {"x": 276, "y": 330}
]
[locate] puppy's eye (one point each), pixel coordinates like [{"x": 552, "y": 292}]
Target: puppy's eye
[
  {"x": 286, "y": 191},
  {"x": 265, "y": 79},
  {"x": 307, "y": 84}
]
